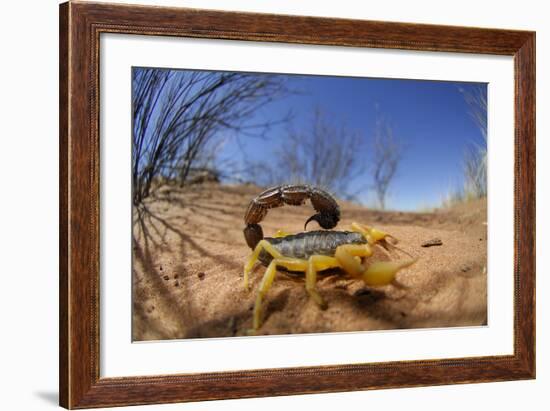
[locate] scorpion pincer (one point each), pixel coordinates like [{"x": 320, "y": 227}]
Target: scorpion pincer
[{"x": 310, "y": 252}]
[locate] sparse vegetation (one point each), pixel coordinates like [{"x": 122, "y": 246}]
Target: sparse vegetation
[
  {"x": 329, "y": 154},
  {"x": 178, "y": 116},
  {"x": 325, "y": 154},
  {"x": 387, "y": 152},
  {"x": 475, "y": 156}
]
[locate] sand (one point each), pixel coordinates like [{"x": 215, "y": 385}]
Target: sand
[{"x": 189, "y": 251}]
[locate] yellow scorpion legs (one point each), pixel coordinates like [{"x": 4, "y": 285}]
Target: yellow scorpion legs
[{"x": 292, "y": 264}]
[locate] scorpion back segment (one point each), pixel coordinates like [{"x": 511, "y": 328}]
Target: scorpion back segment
[{"x": 327, "y": 216}]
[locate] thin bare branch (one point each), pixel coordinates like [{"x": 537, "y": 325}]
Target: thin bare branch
[
  {"x": 179, "y": 114},
  {"x": 387, "y": 152}
]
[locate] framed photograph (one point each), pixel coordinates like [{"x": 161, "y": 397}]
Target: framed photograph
[{"x": 256, "y": 205}]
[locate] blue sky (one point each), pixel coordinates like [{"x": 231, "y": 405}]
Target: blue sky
[{"x": 431, "y": 118}]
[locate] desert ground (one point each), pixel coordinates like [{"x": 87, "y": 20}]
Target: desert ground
[{"x": 189, "y": 252}]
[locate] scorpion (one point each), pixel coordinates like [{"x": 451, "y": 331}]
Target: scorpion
[{"x": 311, "y": 252}]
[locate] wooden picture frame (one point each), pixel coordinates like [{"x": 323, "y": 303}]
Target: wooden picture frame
[{"x": 80, "y": 27}]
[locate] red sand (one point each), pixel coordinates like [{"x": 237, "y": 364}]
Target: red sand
[{"x": 189, "y": 253}]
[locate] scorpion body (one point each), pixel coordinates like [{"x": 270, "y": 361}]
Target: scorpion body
[
  {"x": 307, "y": 244},
  {"x": 311, "y": 252}
]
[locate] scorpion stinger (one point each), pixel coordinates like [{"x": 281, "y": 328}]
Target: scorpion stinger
[{"x": 325, "y": 220}]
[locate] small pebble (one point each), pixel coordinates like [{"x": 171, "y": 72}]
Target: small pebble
[
  {"x": 465, "y": 267},
  {"x": 432, "y": 242},
  {"x": 177, "y": 284},
  {"x": 176, "y": 276},
  {"x": 166, "y": 277},
  {"x": 160, "y": 268},
  {"x": 201, "y": 275},
  {"x": 361, "y": 292}
]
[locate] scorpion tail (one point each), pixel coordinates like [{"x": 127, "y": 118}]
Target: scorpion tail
[
  {"x": 326, "y": 207},
  {"x": 253, "y": 234}
]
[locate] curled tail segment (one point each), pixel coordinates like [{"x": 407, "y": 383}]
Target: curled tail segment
[{"x": 327, "y": 216}]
